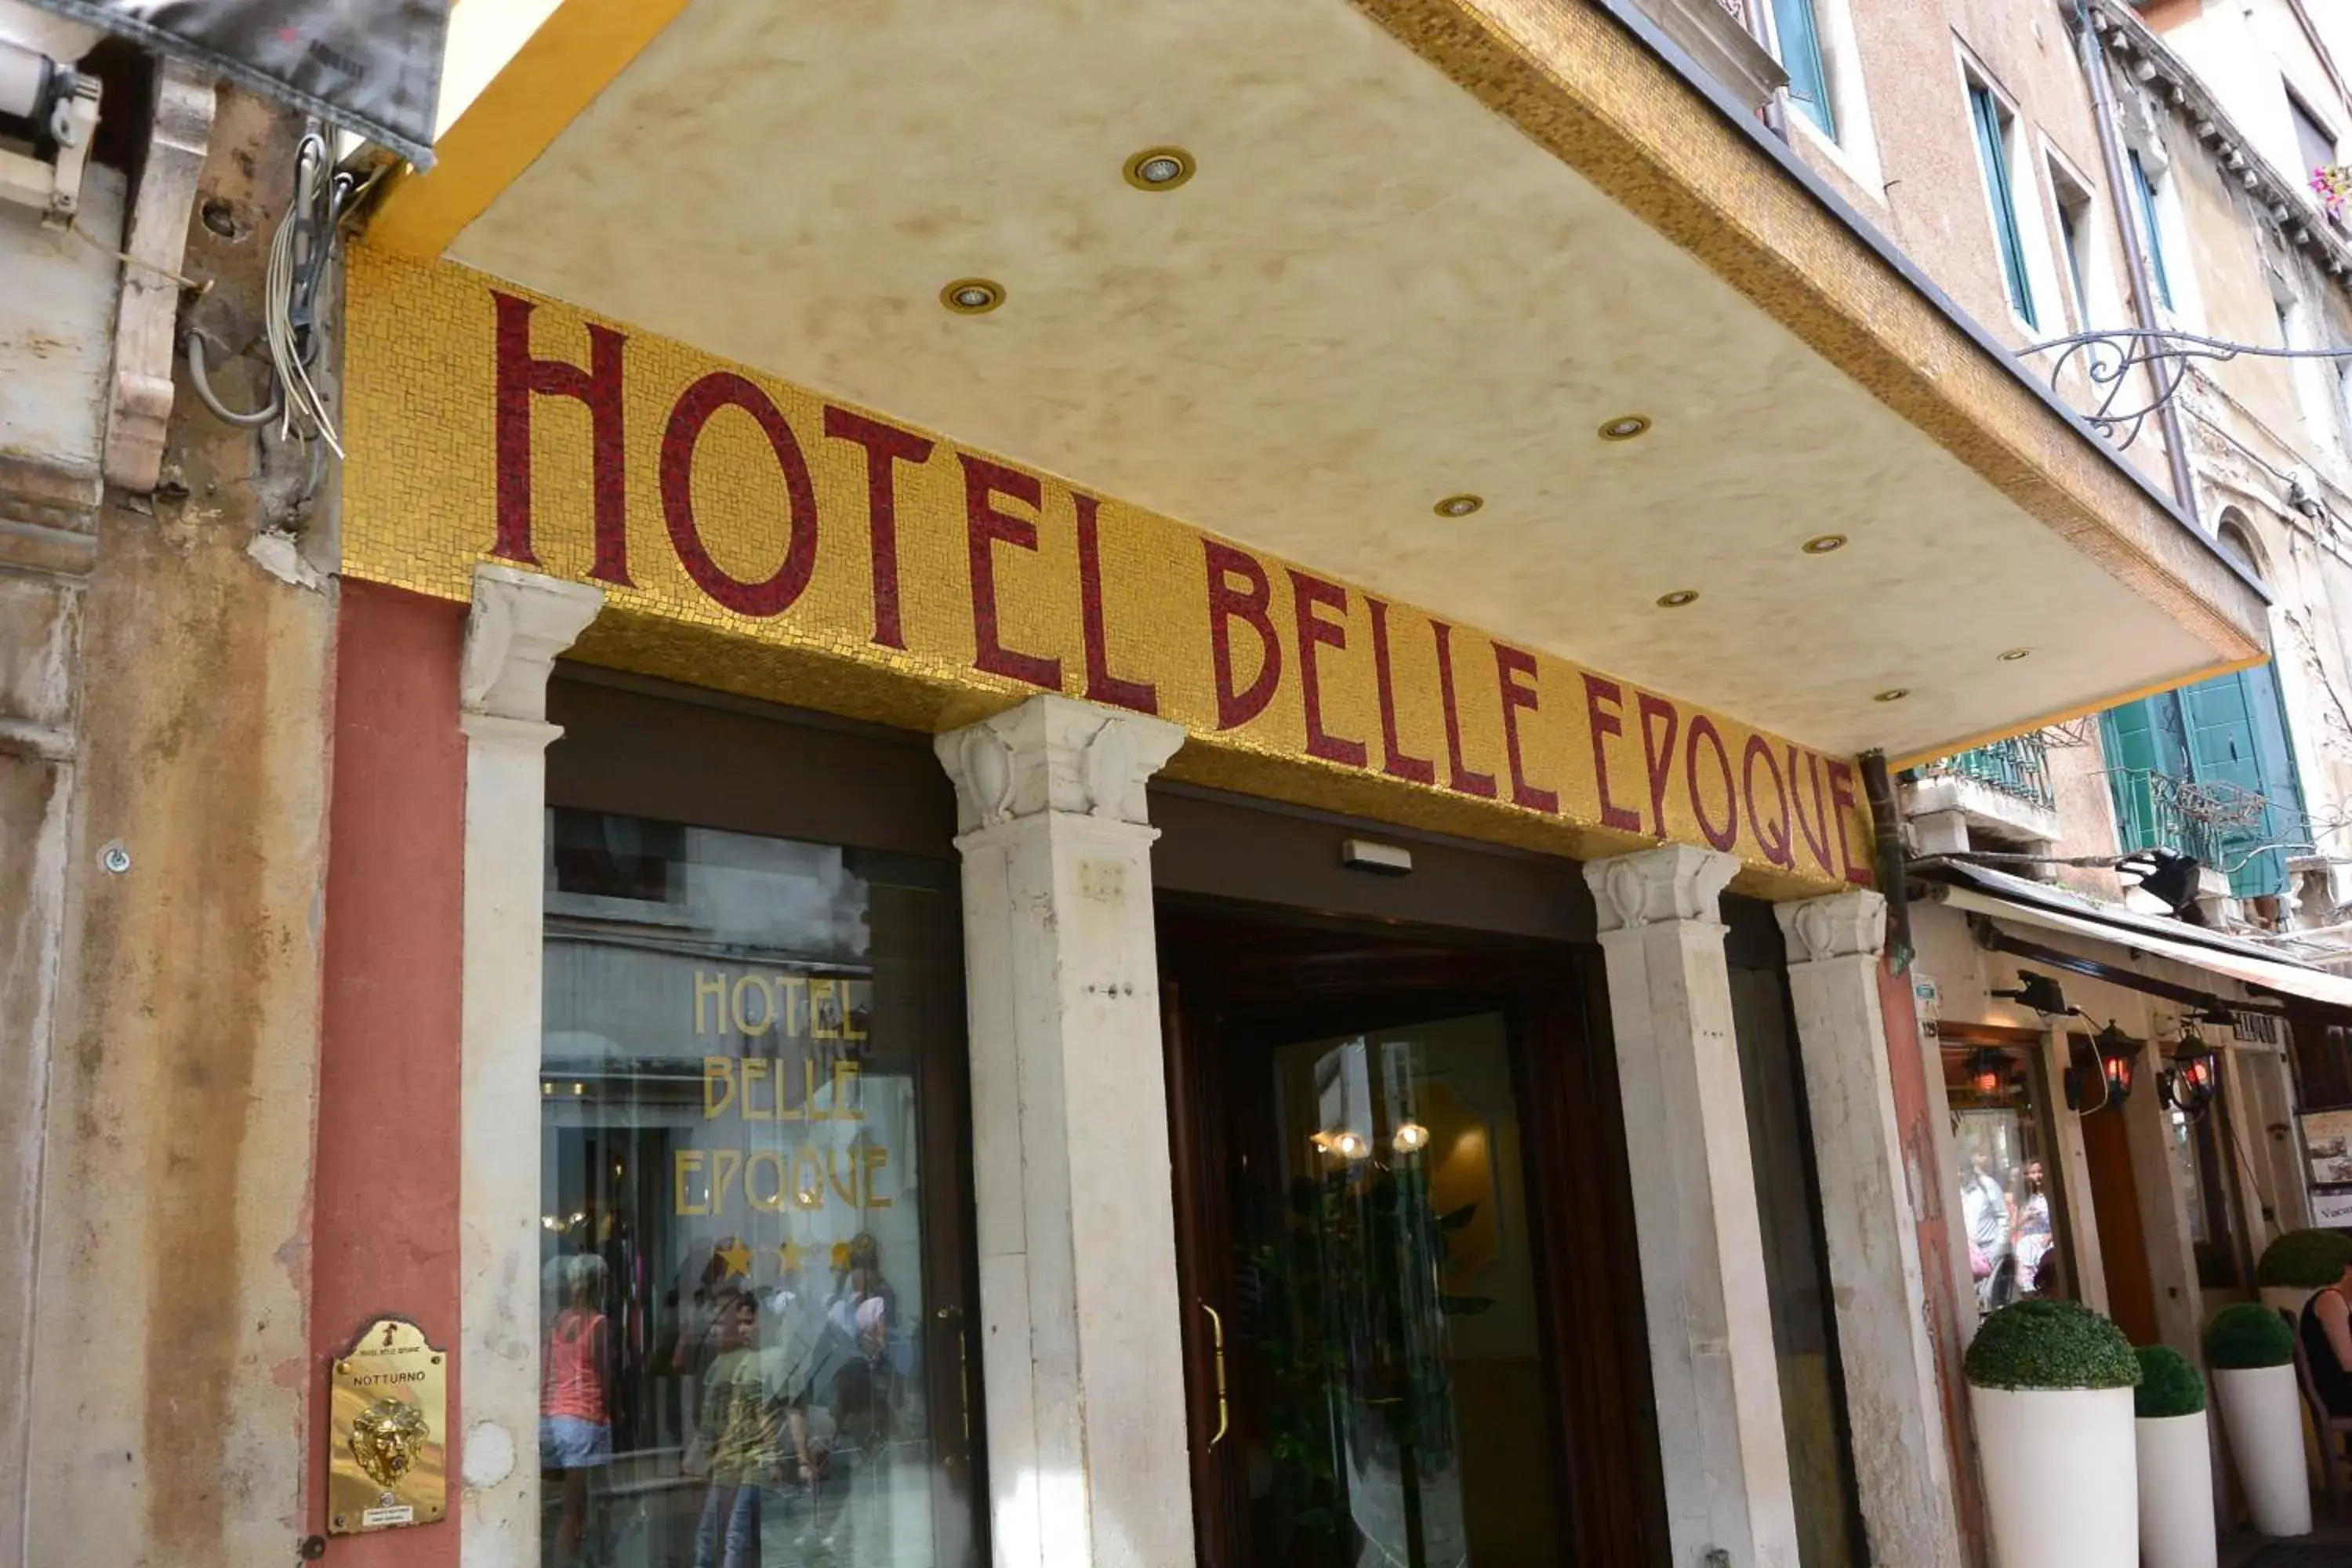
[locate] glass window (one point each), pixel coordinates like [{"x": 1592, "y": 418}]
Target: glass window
[
  {"x": 1389, "y": 1331},
  {"x": 2073, "y": 227},
  {"x": 2011, "y": 1216},
  {"x": 1801, "y": 55},
  {"x": 1993, "y": 152},
  {"x": 750, "y": 1282},
  {"x": 1796, "y": 1272},
  {"x": 2151, "y": 233},
  {"x": 2316, "y": 143}
]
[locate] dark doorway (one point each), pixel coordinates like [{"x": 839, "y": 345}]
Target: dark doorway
[{"x": 1406, "y": 1242}]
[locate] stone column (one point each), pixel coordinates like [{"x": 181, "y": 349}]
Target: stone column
[
  {"x": 1713, "y": 1367},
  {"x": 520, "y": 622},
  {"x": 1080, "y": 1331},
  {"x": 1902, "y": 1467}
]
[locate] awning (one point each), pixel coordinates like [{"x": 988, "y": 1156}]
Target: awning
[{"x": 2268, "y": 973}]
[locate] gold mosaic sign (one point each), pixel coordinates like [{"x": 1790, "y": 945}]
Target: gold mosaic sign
[
  {"x": 758, "y": 537},
  {"x": 388, "y": 1431}
]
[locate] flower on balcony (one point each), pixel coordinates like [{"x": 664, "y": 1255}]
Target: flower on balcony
[{"x": 2334, "y": 184}]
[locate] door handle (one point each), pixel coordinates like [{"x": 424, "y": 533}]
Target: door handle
[
  {"x": 1217, "y": 1339},
  {"x": 951, "y": 1314}
]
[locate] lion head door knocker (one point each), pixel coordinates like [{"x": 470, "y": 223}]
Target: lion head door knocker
[
  {"x": 386, "y": 1440},
  {"x": 388, "y": 1425}
]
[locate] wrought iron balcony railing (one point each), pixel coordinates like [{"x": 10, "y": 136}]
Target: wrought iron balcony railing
[
  {"x": 2018, "y": 767},
  {"x": 2157, "y": 811}
]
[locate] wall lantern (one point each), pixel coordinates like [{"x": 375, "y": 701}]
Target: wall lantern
[
  {"x": 1988, "y": 1070},
  {"x": 2193, "y": 1079},
  {"x": 2108, "y": 1085}
]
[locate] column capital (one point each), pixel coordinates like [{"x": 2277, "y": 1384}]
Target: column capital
[
  {"x": 1674, "y": 882},
  {"x": 1841, "y": 925},
  {"x": 1056, "y": 754},
  {"x": 520, "y": 622}
]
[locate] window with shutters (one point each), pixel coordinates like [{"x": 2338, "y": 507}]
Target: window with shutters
[
  {"x": 1799, "y": 30},
  {"x": 2207, "y": 770},
  {"x": 1993, "y": 124}
]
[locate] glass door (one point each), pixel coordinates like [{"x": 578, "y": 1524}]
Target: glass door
[{"x": 753, "y": 1302}]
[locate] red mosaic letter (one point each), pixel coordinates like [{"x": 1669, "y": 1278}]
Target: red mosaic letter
[
  {"x": 1249, "y": 604},
  {"x": 1459, "y": 776},
  {"x": 1774, "y": 843},
  {"x": 1395, "y": 761},
  {"x": 1658, "y": 755},
  {"x": 1102, "y": 686},
  {"x": 886, "y": 447},
  {"x": 1603, "y": 721},
  {"x": 1702, "y": 727},
  {"x": 776, "y": 593},
  {"x": 1514, "y": 673},
  {"x": 599, "y": 387},
  {"x": 984, "y": 482},
  {"x": 1841, "y": 803},
  {"x": 1309, "y": 596}
]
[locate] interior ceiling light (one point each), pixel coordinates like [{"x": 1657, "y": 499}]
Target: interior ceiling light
[
  {"x": 1411, "y": 1138},
  {"x": 2011, "y": 656},
  {"x": 972, "y": 296},
  {"x": 1160, "y": 168},
  {"x": 1625, "y": 426},
  {"x": 1893, "y": 694},
  {"x": 1678, "y": 598},
  {"x": 1459, "y": 506},
  {"x": 1822, "y": 544}
]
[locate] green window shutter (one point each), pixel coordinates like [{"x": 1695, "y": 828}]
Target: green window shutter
[
  {"x": 2237, "y": 735},
  {"x": 2144, "y": 198},
  {"x": 1993, "y": 152},
  {"x": 2129, "y": 735},
  {"x": 1801, "y": 56}
]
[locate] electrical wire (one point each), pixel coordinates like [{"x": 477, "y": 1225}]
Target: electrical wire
[
  {"x": 303, "y": 403},
  {"x": 192, "y": 346}
]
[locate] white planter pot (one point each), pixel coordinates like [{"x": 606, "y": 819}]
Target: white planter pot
[
  {"x": 2262, "y": 1413},
  {"x": 2177, "y": 1528},
  {"x": 2287, "y": 1299},
  {"x": 2061, "y": 1476}
]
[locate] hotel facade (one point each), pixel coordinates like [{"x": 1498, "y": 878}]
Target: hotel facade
[{"x": 1041, "y": 786}]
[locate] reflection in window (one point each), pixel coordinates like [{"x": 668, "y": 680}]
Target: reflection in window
[
  {"x": 2010, "y": 1218},
  {"x": 738, "y": 1032}
]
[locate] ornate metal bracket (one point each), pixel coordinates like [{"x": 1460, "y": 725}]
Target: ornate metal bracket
[{"x": 2109, "y": 357}]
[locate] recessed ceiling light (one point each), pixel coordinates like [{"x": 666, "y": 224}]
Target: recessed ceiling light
[
  {"x": 1625, "y": 426},
  {"x": 1160, "y": 168},
  {"x": 1458, "y": 506},
  {"x": 1822, "y": 544},
  {"x": 1678, "y": 598},
  {"x": 972, "y": 296},
  {"x": 1893, "y": 694},
  {"x": 2013, "y": 655}
]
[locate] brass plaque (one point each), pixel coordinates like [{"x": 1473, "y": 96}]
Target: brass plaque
[{"x": 388, "y": 1431}]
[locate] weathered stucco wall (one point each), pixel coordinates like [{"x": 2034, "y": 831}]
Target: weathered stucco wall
[{"x": 168, "y": 1374}]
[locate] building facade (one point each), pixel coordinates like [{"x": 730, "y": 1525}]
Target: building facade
[{"x": 933, "y": 785}]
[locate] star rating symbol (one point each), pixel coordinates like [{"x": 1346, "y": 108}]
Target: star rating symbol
[{"x": 736, "y": 1258}]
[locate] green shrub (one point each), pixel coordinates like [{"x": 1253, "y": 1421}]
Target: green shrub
[
  {"x": 2051, "y": 1344},
  {"x": 2168, "y": 1384},
  {"x": 2248, "y": 1335},
  {"x": 2305, "y": 1259}
]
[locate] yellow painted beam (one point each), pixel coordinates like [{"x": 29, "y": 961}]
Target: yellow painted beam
[
  {"x": 2068, "y": 715},
  {"x": 576, "y": 54}
]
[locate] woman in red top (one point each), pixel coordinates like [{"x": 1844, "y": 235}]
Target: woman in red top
[{"x": 575, "y": 1423}]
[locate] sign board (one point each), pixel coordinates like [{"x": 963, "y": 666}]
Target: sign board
[
  {"x": 388, "y": 1425},
  {"x": 765, "y": 539}
]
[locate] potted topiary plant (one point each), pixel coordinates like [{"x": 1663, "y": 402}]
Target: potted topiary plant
[
  {"x": 2176, "y": 1463},
  {"x": 2050, "y": 1383},
  {"x": 2251, "y": 1352},
  {"x": 2299, "y": 1263}
]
